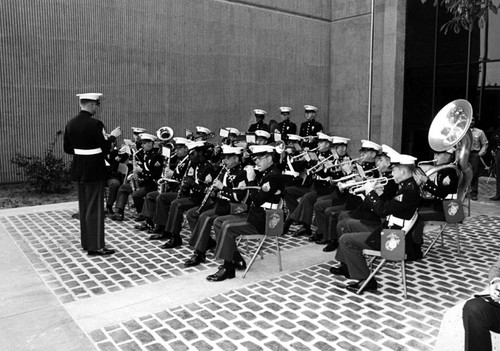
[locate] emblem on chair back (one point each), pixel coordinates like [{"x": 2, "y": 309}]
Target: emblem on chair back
[
  {"x": 237, "y": 208},
  {"x": 274, "y": 222},
  {"x": 453, "y": 211},
  {"x": 393, "y": 244}
]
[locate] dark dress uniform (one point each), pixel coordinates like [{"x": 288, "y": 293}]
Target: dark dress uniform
[
  {"x": 310, "y": 128},
  {"x": 258, "y": 126},
  {"x": 84, "y": 138},
  {"x": 400, "y": 208},
  {"x": 227, "y": 233},
  {"x": 190, "y": 195},
  {"x": 432, "y": 209},
  {"x": 287, "y": 127},
  {"x": 115, "y": 178},
  {"x": 201, "y": 224}
]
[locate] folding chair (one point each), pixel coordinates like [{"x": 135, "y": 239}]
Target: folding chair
[
  {"x": 454, "y": 214},
  {"x": 274, "y": 228},
  {"x": 392, "y": 249}
]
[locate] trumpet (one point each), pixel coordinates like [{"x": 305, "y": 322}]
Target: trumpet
[
  {"x": 318, "y": 165},
  {"x": 358, "y": 187},
  {"x": 302, "y": 154},
  {"x": 342, "y": 164},
  {"x": 354, "y": 175}
]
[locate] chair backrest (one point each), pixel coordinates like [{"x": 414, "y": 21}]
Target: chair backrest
[
  {"x": 392, "y": 247},
  {"x": 274, "y": 222}
]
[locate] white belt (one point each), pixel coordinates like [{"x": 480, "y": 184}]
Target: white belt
[
  {"x": 395, "y": 221},
  {"x": 88, "y": 151},
  {"x": 269, "y": 206},
  {"x": 451, "y": 197}
]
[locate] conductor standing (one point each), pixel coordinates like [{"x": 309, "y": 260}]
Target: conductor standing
[{"x": 86, "y": 139}]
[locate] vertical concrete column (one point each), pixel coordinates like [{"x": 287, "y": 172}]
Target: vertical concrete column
[{"x": 393, "y": 73}]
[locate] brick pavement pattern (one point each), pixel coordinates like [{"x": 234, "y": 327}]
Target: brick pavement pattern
[{"x": 308, "y": 309}]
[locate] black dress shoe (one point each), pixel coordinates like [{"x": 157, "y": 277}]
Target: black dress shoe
[
  {"x": 331, "y": 246},
  {"x": 101, "y": 252},
  {"x": 173, "y": 242},
  {"x": 303, "y": 231},
  {"x": 222, "y": 274},
  {"x": 473, "y": 197},
  {"x": 495, "y": 198},
  {"x": 109, "y": 211},
  {"x": 140, "y": 218},
  {"x": 371, "y": 286},
  {"x": 197, "y": 258},
  {"x": 240, "y": 265},
  {"x": 143, "y": 226},
  {"x": 161, "y": 236},
  {"x": 322, "y": 241},
  {"x": 315, "y": 237},
  {"x": 158, "y": 229},
  {"x": 117, "y": 217},
  {"x": 340, "y": 270}
]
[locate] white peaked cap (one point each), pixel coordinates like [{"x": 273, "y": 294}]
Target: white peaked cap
[
  {"x": 231, "y": 150},
  {"x": 194, "y": 144},
  {"x": 147, "y": 136},
  {"x": 89, "y": 96},
  {"x": 310, "y": 108},
  {"x": 367, "y": 144},
  {"x": 200, "y": 129},
  {"x": 323, "y": 136},
  {"x": 138, "y": 130},
  {"x": 403, "y": 159},
  {"x": 340, "y": 140},
  {"x": 181, "y": 141},
  {"x": 259, "y": 112},
  {"x": 285, "y": 109},
  {"x": 233, "y": 130},
  {"x": 262, "y": 133},
  {"x": 260, "y": 149}
]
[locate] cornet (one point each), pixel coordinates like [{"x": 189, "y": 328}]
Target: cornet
[
  {"x": 319, "y": 165},
  {"x": 358, "y": 187}
]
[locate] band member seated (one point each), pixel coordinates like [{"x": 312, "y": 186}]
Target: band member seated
[
  {"x": 200, "y": 218},
  {"x": 198, "y": 177},
  {"x": 286, "y": 126},
  {"x": 361, "y": 219},
  {"x": 114, "y": 159},
  {"x": 262, "y": 137},
  {"x": 310, "y": 128},
  {"x": 327, "y": 212},
  {"x": 445, "y": 186},
  {"x": 268, "y": 177},
  {"x": 168, "y": 186},
  {"x": 148, "y": 164},
  {"x": 328, "y": 168},
  {"x": 398, "y": 210},
  {"x": 259, "y": 118}
]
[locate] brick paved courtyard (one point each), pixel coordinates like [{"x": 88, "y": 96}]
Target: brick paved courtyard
[{"x": 299, "y": 309}]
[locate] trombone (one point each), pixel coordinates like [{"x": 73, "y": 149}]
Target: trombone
[{"x": 358, "y": 187}]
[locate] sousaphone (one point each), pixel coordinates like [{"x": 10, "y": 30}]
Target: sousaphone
[{"x": 450, "y": 128}]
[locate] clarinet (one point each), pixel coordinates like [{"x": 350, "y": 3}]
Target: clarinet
[
  {"x": 210, "y": 189},
  {"x": 181, "y": 186}
]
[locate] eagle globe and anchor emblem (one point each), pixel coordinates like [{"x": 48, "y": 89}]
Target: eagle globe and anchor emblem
[
  {"x": 392, "y": 242},
  {"x": 274, "y": 220}
]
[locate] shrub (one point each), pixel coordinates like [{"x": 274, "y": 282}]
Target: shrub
[{"x": 47, "y": 174}]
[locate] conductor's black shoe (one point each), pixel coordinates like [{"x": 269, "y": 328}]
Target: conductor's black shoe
[
  {"x": 173, "y": 242},
  {"x": 340, "y": 270},
  {"x": 303, "y": 231},
  {"x": 117, "y": 217},
  {"x": 331, "y": 246},
  {"x": 140, "y": 218},
  {"x": 316, "y": 237},
  {"x": 371, "y": 286},
  {"x": 222, "y": 274},
  {"x": 101, "y": 252},
  {"x": 160, "y": 236},
  {"x": 197, "y": 258},
  {"x": 75, "y": 216},
  {"x": 495, "y": 198},
  {"x": 240, "y": 265}
]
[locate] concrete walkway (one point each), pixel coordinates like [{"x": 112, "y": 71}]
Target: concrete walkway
[{"x": 54, "y": 297}]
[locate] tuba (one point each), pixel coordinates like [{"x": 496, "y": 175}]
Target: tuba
[
  {"x": 165, "y": 133},
  {"x": 450, "y": 128}
]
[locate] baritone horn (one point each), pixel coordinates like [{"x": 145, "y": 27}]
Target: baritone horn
[
  {"x": 448, "y": 129},
  {"x": 165, "y": 133}
]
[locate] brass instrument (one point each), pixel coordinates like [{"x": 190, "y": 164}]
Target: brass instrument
[
  {"x": 358, "y": 187},
  {"x": 162, "y": 182},
  {"x": 165, "y": 133},
  {"x": 279, "y": 146},
  {"x": 302, "y": 154},
  {"x": 349, "y": 177},
  {"x": 342, "y": 164},
  {"x": 426, "y": 162},
  {"x": 450, "y": 128},
  {"x": 210, "y": 189}
]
